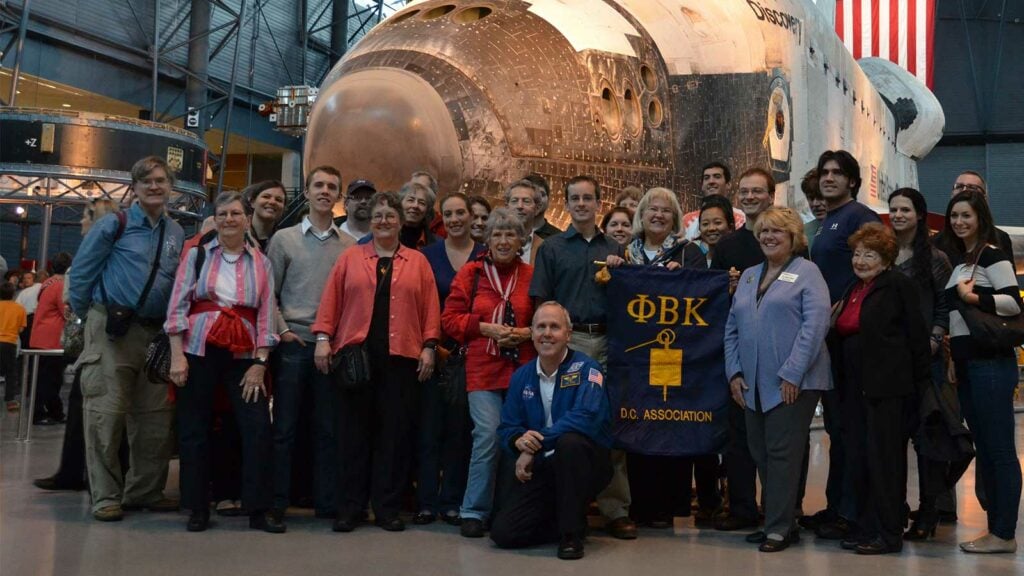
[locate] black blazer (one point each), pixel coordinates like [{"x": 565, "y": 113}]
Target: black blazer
[{"x": 896, "y": 353}]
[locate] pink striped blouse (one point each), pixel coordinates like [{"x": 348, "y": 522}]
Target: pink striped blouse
[{"x": 254, "y": 287}]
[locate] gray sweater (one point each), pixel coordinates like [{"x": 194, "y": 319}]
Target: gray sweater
[{"x": 302, "y": 264}]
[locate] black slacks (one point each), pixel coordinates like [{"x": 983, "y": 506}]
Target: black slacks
[
  {"x": 740, "y": 469},
  {"x": 195, "y": 420},
  {"x": 375, "y": 443},
  {"x": 554, "y": 502},
  {"x": 660, "y": 487},
  {"x": 875, "y": 438}
]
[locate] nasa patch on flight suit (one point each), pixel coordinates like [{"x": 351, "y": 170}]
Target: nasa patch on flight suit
[{"x": 569, "y": 380}]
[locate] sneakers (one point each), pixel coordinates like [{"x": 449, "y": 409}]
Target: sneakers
[{"x": 112, "y": 513}]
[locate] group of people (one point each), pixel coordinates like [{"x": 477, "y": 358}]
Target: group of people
[{"x": 458, "y": 357}]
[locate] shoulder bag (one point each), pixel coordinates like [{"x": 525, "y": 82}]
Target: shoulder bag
[{"x": 991, "y": 331}]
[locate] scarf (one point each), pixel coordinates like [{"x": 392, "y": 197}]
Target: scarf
[
  {"x": 503, "y": 313},
  {"x": 669, "y": 251}
]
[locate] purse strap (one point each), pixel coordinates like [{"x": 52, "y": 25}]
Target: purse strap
[{"x": 156, "y": 265}]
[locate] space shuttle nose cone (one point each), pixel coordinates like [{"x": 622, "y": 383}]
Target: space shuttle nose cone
[{"x": 383, "y": 124}]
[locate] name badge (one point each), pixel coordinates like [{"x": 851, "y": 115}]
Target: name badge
[
  {"x": 569, "y": 380},
  {"x": 788, "y": 277}
]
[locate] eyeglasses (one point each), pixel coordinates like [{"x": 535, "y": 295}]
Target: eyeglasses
[
  {"x": 385, "y": 217},
  {"x": 961, "y": 187}
]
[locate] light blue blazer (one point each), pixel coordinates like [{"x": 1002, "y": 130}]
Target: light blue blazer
[{"x": 783, "y": 338}]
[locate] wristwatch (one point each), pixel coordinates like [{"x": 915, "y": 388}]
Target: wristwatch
[
  {"x": 323, "y": 338},
  {"x": 259, "y": 361}
]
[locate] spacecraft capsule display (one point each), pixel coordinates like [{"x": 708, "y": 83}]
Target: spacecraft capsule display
[{"x": 634, "y": 92}]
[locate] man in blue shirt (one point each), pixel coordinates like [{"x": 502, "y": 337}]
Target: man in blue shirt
[
  {"x": 556, "y": 421},
  {"x": 111, "y": 270},
  {"x": 838, "y": 182}
]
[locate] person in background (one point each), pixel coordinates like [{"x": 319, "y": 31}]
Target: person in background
[
  {"x": 266, "y": 201},
  {"x": 929, "y": 268},
  {"x": 12, "y": 277},
  {"x": 12, "y": 321},
  {"x": 71, "y": 474},
  {"x": 300, "y": 257},
  {"x": 418, "y": 212},
  {"x": 29, "y": 285},
  {"x": 986, "y": 374},
  {"x": 565, "y": 273},
  {"x": 488, "y": 312},
  {"x": 540, "y": 227},
  {"x": 356, "y": 221},
  {"x": 618, "y": 224},
  {"x": 816, "y": 202},
  {"x": 220, "y": 321},
  {"x": 524, "y": 199},
  {"x": 443, "y": 447},
  {"x": 481, "y": 210},
  {"x": 714, "y": 181},
  {"x": 111, "y": 270},
  {"x": 716, "y": 222},
  {"x": 735, "y": 253},
  {"x": 881, "y": 342},
  {"x": 47, "y": 327},
  {"x": 970, "y": 181},
  {"x": 382, "y": 297},
  {"x": 777, "y": 374},
  {"x": 839, "y": 180},
  {"x": 629, "y": 198}
]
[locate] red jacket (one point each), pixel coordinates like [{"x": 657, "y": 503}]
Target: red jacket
[
  {"x": 346, "y": 306},
  {"x": 49, "y": 319},
  {"x": 461, "y": 320}
]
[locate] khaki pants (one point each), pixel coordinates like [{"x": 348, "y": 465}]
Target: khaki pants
[
  {"x": 117, "y": 397},
  {"x": 614, "y": 500}
]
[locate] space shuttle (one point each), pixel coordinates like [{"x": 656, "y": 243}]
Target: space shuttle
[{"x": 633, "y": 92}]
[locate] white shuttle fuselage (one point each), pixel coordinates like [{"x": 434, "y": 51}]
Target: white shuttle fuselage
[{"x": 637, "y": 92}]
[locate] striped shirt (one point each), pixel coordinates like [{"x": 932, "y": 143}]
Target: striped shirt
[
  {"x": 996, "y": 287},
  {"x": 253, "y": 285}
]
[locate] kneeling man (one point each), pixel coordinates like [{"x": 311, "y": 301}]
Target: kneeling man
[{"x": 556, "y": 419}]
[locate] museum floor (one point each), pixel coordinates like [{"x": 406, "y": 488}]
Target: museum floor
[{"x": 53, "y": 534}]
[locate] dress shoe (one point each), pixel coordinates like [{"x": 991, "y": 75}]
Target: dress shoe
[
  {"x": 198, "y": 521},
  {"x": 989, "y": 544},
  {"x": 852, "y": 541},
  {"x": 877, "y": 546},
  {"x": 161, "y": 505},
  {"x": 112, "y": 513},
  {"x": 570, "y": 547},
  {"x": 451, "y": 518},
  {"x": 271, "y": 521},
  {"x": 424, "y": 517},
  {"x": 622, "y": 528},
  {"x": 704, "y": 518},
  {"x": 45, "y": 421},
  {"x": 391, "y": 524},
  {"x": 472, "y": 528},
  {"x": 812, "y": 522},
  {"x": 771, "y": 545},
  {"x": 923, "y": 527},
  {"x": 730, "y": 523},
  {"x": 53, "y": 483},
  {"x": 837, "y": 530},
  {"x": 344, "y": 524},
  {"x": 756, "y": 537}
]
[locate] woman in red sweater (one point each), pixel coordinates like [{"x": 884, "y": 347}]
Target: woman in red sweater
[
  {"x": 47, "y": 327},
  {"x": 489, "y": 311}
]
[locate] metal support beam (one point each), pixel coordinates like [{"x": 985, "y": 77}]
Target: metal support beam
[
  {"x": 231, "y": 99},
  {"x": 155, "y": 48},
  {"x": 44, "y": 243},
  {"x": 198, "y": 60},
  {"x": 339, "y": 30},
  {"x": 22, "y": 29}
]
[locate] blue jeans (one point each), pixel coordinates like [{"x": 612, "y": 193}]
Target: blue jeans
[
  {"x": 986, "y": 398},
  {"x": 443, "y": 451},
  {"x": 485, "y": 410},
  {"x": 294, "y": 377}
]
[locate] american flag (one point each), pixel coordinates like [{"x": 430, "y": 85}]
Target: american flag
[{"x": 902, "y": 31}]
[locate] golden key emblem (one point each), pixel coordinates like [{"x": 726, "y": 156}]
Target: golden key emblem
[{"x": 666, "y": 363}]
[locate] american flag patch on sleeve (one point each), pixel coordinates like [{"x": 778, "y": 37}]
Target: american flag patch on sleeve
[{"x": 595, "y": 376}]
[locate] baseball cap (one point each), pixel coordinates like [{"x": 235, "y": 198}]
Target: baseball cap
[{"x": 360, "y": 184}]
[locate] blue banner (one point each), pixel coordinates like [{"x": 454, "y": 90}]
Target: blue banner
[{"x": 666, "y": 365}]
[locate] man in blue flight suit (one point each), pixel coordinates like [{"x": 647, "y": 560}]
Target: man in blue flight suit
[{"x": 556, "y": 420}]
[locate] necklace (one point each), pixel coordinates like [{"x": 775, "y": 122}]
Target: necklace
[{"x": 224, "y": 256}]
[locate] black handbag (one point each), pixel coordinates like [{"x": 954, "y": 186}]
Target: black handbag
[
  {"x": 453, "y": 375},
  {"x": 991, "y": 331},
  {"x": 350, "y": 367},
  {"x": 158, "y": 359}
]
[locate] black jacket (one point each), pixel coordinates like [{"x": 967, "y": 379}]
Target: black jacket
[{"x": 896, "y": 355}]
